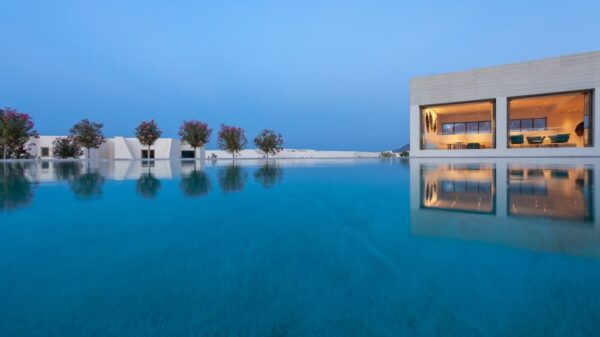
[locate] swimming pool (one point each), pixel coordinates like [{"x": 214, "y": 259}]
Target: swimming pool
[{"x": 300, "y": 248}]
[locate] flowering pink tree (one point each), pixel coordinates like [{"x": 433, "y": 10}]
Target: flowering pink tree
[
  {"x": 88, "y": 135},
  {"x": 16, "y": 129},
  {"x": 269, "y": 142},
  {"x": 147, "y": 133},
  {"x": 195, "y": 133},
  {"x": 231, "y": 139}
]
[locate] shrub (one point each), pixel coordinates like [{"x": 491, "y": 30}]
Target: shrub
[{"x": 66, "y": 147}]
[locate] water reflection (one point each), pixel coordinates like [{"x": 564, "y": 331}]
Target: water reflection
[
  {"x": 65, "y": 171},
  {"x": 87, "y": 185},
  {"x": 147, "y": 185},
  {"x": 551, "y": 192},
  {"x": 85, "y": 182},
  {"x": 269, "y": 175},
  {"x": 459, "y": 187},
  {"x": 86, "y": 179},
  {"x": 15, "y": 189},
  {"x": 232, "y": 178},
  {"x": 195, "y": 184},
  {"x": 538, "y": 206}
]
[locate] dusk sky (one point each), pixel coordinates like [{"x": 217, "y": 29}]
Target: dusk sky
[{"x": 328, "y": 75}]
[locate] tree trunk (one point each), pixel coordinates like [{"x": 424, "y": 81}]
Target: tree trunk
[
  {"x": 148, "y": 155},
  {"x": 88, "y": 153}
]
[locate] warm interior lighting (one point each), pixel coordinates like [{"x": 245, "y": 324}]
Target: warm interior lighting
[
  {"x": 559, "y": 120},
  {"x": 458, "y": 126}
]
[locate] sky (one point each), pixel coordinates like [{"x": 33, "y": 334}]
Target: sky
[{"x": 328, "y": 75}]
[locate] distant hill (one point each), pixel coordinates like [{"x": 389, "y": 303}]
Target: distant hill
[{"x": 404, "y": 148}]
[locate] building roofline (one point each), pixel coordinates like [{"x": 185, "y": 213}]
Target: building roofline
[{"x": 473, "y": 70}]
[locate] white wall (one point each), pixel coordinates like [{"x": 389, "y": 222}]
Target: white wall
[
  {"x": 131, "y": 148},
  {"x": 117, "y": 148}
]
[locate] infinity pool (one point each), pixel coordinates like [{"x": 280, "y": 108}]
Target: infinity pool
[{"x": 300, "y": 248}]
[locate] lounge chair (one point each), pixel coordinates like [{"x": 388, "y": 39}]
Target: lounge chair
[
  {"x": 472, "y": 146},
  {"x": 517, "y": 139},
  {"x": 560, "y": 138},
  {"x": 535, "y": 140}
]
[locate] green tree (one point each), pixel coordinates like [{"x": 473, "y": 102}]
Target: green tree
[
  {"x": 16, "y": 129},
  {"x": 231, "y": 139},
  {"x": 66, "y": 147},
  {"x": 269, "y": 142},
  {"x": 195, "y": 133},
  {"x": 88, "y": 135},
  {"x": 147, "y": 133}
]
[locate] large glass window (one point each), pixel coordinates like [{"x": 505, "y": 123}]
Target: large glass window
[
  {"x": 557, "y": 120},
  {"x": 458, "y": 126}
]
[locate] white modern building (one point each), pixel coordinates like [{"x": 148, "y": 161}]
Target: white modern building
[
  {"x": 531, "y": 109},
  {"x": 122, "y": 148}
]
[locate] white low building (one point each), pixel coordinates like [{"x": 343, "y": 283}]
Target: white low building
[{"x": 121, "y": 148}]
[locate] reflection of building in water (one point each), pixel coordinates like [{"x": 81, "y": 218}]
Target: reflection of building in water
[
  {"x": 546, "y": 205},
  {"x": 47, "y": 171},
  {"x": 460, "y": 187},
  {"x": 554, "y": 192}
]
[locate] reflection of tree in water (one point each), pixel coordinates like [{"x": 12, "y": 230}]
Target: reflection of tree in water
[
  {"x": 148, "y": 186},
  {"x": 232, "y": 178},
  {"x": 67, "y": 171},
  {"x": 15, "y": 189},
  {"x": 269, "y": 175},
  {"x": 195, "y": 184},
  {"x": 85, "y": 184},
  {"x": 88, "y": 185}
]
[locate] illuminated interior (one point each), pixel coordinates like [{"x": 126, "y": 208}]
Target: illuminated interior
[
  {"x": 459, "y": 126},
  {"x": 459, "y": 188},
  {"x": 557, "y": 193},
  {"x": 560, "y": 120}
]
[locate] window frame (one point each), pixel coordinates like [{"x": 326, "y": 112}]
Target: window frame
[
  {"x": 590, "y": 116},
  {"x": 492, "y": 121},
  {"x": 533, "y": 128}
]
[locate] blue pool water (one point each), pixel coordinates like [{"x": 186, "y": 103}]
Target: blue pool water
[{"x": 299, "y": 248}]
